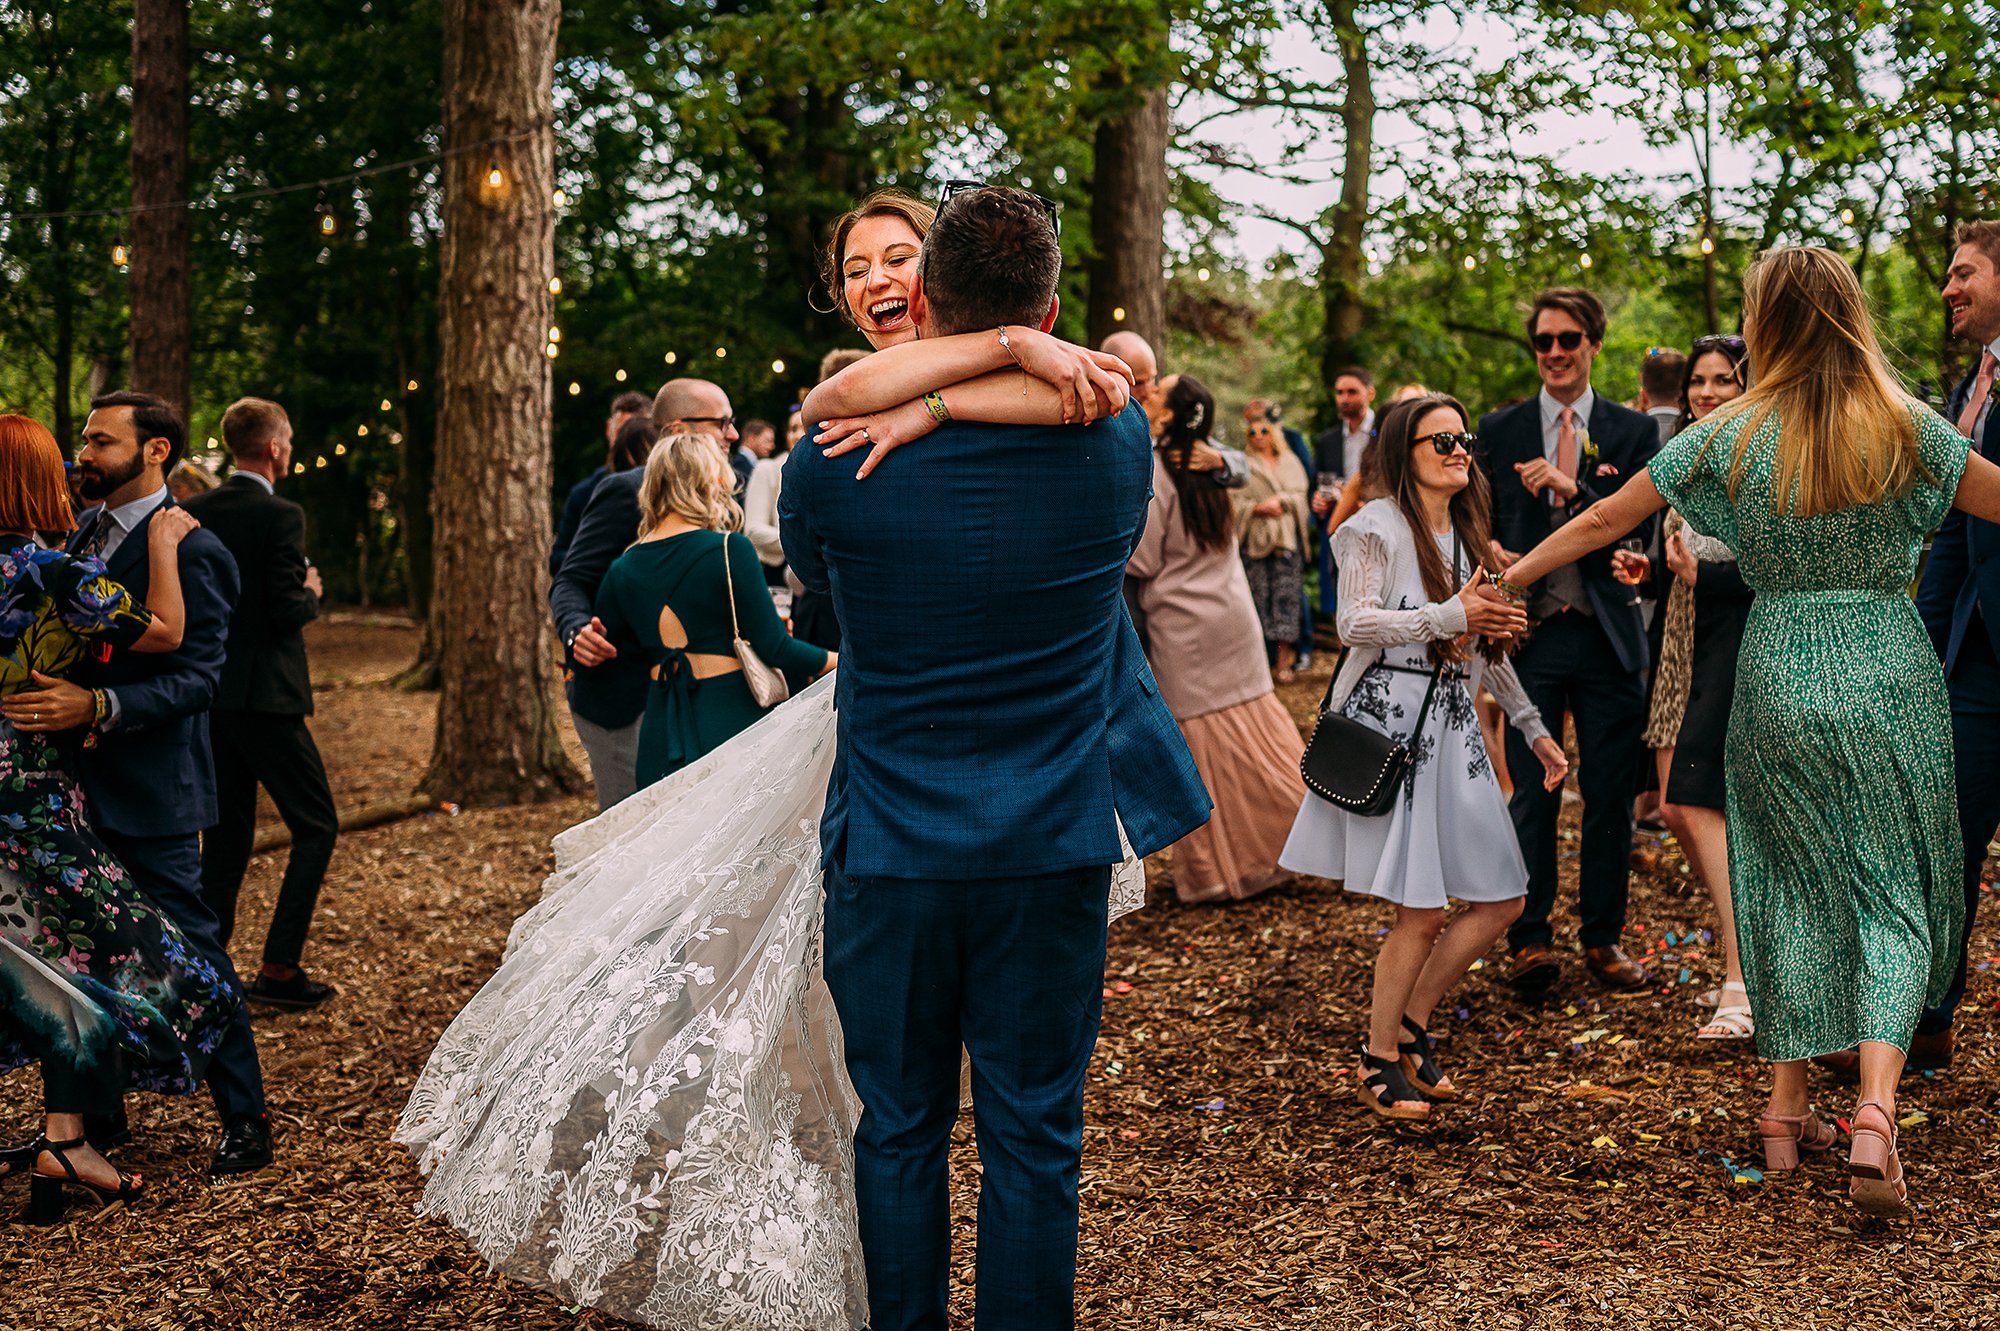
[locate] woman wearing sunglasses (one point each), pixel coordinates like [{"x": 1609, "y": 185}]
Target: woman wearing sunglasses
[{"x": 1410, "y": 614}]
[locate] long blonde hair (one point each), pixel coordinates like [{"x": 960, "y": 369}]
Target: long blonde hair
[
  {"x": 1846, "y": 436},
  {"x": 688, "y": 474}
]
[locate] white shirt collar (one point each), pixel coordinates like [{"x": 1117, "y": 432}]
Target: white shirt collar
[
  {"x": 130, "y": 515},
  {"x": 1994, "y": 347},
  {"x": 1366, "y": 427},
  {"x": 1552, "y": 409},
  {"x": 261, "y": 479}
]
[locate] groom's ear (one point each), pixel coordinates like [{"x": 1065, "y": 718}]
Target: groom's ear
[
  {"x": 920, "y": 305},
  {"x": 1049, "y": 319}
]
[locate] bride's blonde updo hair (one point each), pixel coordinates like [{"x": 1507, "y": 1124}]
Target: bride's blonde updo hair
[{"x": 689, "y": 474}]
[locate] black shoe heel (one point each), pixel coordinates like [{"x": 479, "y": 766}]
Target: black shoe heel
[
  {"x": 1420, "y": 1065},
  {"x": 48, "y": 1195}
]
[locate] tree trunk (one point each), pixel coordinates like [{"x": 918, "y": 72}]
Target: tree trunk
[
  {"x": 160, "y": 283},
  {"x": 1340, "y": 257},
  {"x": 496, "y": 729},
  {"x": 1128, "y": 218}
]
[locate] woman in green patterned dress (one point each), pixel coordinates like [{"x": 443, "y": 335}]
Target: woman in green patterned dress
[
  {"x": 95, "y": 984},
  {"x": 1824, "y": 479}
]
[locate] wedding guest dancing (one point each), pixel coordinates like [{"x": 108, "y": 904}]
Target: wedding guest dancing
[
  {"x": 96, "y": 985},
  {"x": 1272, "y": 528},
  {"x": 1207, "y": 651},
  {"x": 1420, "y": 642},
  {"x": 1843, "y": 847},
  {"x": 1547, "y": 459}
]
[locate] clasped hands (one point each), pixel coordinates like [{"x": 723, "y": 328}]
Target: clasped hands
[{"x": 1541, "y": 474}]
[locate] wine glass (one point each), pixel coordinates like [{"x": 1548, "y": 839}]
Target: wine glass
[{"x": 1633, "y": 568}]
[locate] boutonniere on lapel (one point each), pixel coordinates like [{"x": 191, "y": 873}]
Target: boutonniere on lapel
[{"x": 1591, "y": 455}]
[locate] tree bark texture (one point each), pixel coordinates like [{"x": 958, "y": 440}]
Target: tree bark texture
[
  {"x": 496, "y": 729},
  {"x": 1341, "y": 256},
  {"x": 160, "y": 281},
  {"x": 1128, "y": 212}
]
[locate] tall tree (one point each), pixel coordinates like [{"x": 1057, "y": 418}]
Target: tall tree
[
  {"x": 1128, "y": 212},
  {"x": 496, "y": 728},
  {"x": 162, "y": 327}
]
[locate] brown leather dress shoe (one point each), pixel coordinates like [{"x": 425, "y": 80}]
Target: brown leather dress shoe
[
  {"x": 1611, "y": 966},
  {"x": 1931, "y": 1053},
  {"x": 1534, "y": 968}
]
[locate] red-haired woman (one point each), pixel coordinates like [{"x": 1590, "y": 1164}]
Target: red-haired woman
[{"x": 95, "y": 985}]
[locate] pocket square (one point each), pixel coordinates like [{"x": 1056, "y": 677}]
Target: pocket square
[{"x": 1606, "y": 469}]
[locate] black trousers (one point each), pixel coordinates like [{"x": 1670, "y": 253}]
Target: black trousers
[
  {"x": 1569, "y": 669},
  {"x": 1975, "y": 727},
  {"x": 95, "y": 1090},
  {"x": 278, "y": 753}
]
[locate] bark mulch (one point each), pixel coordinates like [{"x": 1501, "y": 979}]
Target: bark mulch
[{"x": 1600, "y": 1172}]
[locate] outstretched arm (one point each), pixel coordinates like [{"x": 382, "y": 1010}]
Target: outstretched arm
[
  {"x": 1978, "y": 489},
  {"x": 1005, "y": 397},
  {"x": 906, "y": 372},
  {"x": 1593, "y": 529}
]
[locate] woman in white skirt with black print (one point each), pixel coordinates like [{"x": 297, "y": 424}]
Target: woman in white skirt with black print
[{"x": 1409, "y": 578}]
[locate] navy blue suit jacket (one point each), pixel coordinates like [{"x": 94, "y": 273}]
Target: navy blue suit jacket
[
  {"x": 572, "y": 515},
  {"x": 1626, "y": 441},
  {"x": 613, "y": 694},
  {"x": 995, "y": 708},
  {"x": 1963, "y": 573},
  {"x": 153, "y": 774}
]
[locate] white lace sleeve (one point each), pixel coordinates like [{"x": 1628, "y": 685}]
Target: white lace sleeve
[
  {"x": 1365, "y": 619},
  {"x": 1505, "y": 686}
]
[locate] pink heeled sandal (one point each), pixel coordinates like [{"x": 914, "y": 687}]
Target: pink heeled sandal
[
  {"x": 1806, "y": 1132},
  {"x": 1874, "y": 1168}
]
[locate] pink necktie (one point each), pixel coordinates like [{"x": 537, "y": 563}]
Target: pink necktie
[
  {"x": 1565, "y": 448},
  {"x": 1982, "y": 388}
]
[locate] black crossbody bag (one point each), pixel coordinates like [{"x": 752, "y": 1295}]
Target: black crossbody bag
[{"x": 1356, "y": 767}]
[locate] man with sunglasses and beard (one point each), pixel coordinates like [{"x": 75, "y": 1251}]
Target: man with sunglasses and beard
[{"x": 1548, "y": 459}]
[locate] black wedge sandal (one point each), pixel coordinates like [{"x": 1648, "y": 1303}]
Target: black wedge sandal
[
  {"x": 1379, "y": 1083},
  {"x": 1420, "y": 1067},
  {"x": 48, "y": 1195}
]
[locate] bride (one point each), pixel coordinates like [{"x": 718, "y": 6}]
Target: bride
[{"x": 645, "y": 1109}]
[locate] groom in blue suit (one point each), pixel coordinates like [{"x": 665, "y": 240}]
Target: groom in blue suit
[{"x": 989, "y": 699}]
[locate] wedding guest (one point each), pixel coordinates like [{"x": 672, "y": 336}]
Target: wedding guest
[
  {"x": 1952, "y": 600},
  {"x": 1338, "y": 454},
  {"x": 626, "y": 407},
  {"x": 1660, "y": 376},
  {"x": 1270, "y": 514},
  {"x": 1207, "y": 651},
  {"x": 606, "y": 689},
  {"x": 1138, "y": 353},
  {"x": 1420, "y": 643},
  {"x": 685, "y": 590},
  {"x": 134, "y": 1004},
  {"x": 1688, "y": 726},
  {"x": 1548, "y": 459},
  {"x": 795, "y": 426},
  {"x": 1843, "y": 844},
  {"x": 149, "y": 717},
  {"x": 189, "y": 479},
  {"x": 760, "y": 510},
  {"x": 1261, "y": 411},
  {"x": 258, "y": 723}
]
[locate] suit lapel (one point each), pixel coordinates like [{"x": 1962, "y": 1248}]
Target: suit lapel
[{"x": 131, "y": 551}]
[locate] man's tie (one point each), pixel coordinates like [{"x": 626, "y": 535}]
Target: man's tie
[
  {"x": 1566, "y": 447},
  {"x": 1982, "y": 388},
  {"x": 93, "y": 544}
]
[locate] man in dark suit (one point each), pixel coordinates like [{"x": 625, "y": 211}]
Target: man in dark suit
[
  {"x": 145, "y": 765},
  {"x": 1959, "y": 600},
  {"x": 259, "y": 722},
  {"x": 1548, "y": 459},
  {"x": 623, "y": 408},
  {"x": 1337, "y": 452},
  {"x": 972, "y": 818},
  {"x": 607, "y": 681}
]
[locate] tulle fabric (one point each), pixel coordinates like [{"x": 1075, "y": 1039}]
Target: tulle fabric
[{"x": 645, "y": 1109}]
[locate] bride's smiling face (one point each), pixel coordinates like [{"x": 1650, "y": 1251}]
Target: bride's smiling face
[{"x": 875, "y": 273}]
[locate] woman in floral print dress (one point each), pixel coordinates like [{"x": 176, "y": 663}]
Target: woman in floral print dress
[{"x": 95, "y": 985}]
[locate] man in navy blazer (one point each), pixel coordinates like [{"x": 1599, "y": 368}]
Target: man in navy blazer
[
  {"x": 986, "y": 696},
  {"x": 148, "y": 774},
  {"x": 1959, "y": 599},
  {"x": 1548, "y": 459}
]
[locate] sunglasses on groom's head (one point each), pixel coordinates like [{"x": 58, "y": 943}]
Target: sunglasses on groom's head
[{"x": 954, "y": 188}]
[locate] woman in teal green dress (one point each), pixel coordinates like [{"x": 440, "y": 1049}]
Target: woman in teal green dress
[
  {"x": 1843, "y": 848},
  {"x": 681, "y": 594}
]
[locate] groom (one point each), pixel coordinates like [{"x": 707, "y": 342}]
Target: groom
[{"x": 970, "y": 830}]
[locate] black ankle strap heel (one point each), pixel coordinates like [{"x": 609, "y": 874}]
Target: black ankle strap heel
[
  {"x": 1382, "y": 1087},
  {"x": 1421, "y": 1067},
  {"x": 48, "y": 1195}
]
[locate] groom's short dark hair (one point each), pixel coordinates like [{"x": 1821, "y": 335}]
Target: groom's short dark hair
[{"x": 991, "y": 258}]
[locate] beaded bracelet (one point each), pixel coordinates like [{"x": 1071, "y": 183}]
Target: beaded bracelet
[{"x": 1512, "y": 591}]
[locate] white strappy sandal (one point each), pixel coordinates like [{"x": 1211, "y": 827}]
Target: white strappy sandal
[{"x": 1732, "y": 1019}]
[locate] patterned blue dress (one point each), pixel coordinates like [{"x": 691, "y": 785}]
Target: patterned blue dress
[{"x": 87, "y": 965}]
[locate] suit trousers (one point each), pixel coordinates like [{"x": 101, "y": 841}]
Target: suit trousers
[
  {"x": 168, "y": 870},
  {"x": 278, "y": 753},
  {"x": 1013, "y": 972},
  {"x": 614, "y": 758},
  {"x": 1975, "y": 733},
  {"x": 1568, "y": 668}
]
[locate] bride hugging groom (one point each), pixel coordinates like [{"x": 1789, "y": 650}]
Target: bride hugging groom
[{"x": 648, "y": 1107}]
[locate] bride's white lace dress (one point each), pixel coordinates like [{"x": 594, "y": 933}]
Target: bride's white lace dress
[{"x": 645, "y": 1109}]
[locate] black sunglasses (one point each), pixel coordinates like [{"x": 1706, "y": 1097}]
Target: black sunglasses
[
  {"x": 1547, "y": 341},
  {"x": 1447, "y": 442},
  {"x": 1719, "y": 342},
  {"x": 954, "y": 188}
]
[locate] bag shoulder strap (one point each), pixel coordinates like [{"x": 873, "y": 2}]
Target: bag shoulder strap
[{"x": 729, "y": 581}]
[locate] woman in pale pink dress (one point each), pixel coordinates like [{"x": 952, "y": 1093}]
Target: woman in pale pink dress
[{"x": 1207, "y": 650}]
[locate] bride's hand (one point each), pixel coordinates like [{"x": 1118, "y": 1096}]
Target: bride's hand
[
  {"x": 1555, "y": 764},
  {"x": 1091, "y": 383},
  {"x": 880, "y": 433}
]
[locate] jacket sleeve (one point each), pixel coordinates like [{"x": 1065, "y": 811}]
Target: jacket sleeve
[
  {"x": 1944, "y": 575},
  {"x": 288, "y": 604},
  {"x": 795, "y": 523},
  {"x": 610, "y": 524},
  {"x": 573, "y": 505},
  {"x": 186, "y": 684}
]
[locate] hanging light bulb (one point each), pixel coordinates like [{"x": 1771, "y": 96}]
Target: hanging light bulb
[
  {"x": 555, "y": 334},
  {"x": 777, "y": 367},
  {"x": 1470, "y": 263},
  {"x": 555, "y": 286},
  {"x": 560, "y": 198},
  {"x": 121, "y": 254},
  {"x": 495, "y": 177},
  {"x": 1201, "y": 274},
  {"x": 671, "y": 358},
  {"x": 1118, "y": 315},
  {"x": 340, "y": 450},
  {"x": 721, "y": 352},
  {"x": 620, "y": 376},
  {"x": 298, "y": 468},
  {"x": 1847, "y": 216},
  {"x": 320, "y": 461},
  {"x": 1707, "y": 245},
  {"x": 326, "y": 221},
  {"x": 411, "y": 386},
  {"x": 361, "y": 432},
  {"x": 1583, "y": 260},
  {"x": 385, "y": 404},
  {"x": 574, "y": 388},
  {"x": 552, "y": 350}
]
